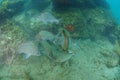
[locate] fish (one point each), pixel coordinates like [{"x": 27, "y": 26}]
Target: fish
[
  {"x": 47, "y": 18},
  {"x": 70, "y": 28},
  {"x": 62, "y": 57},
  {"x": 45, "y": 35},
  {"x": 28, "y": 48},
  {"x": 65, "y": 45}
]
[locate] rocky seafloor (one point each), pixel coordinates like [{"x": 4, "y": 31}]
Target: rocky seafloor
[{"x": 75, "y": 42}]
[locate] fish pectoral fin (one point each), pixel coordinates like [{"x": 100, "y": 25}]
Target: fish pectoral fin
[{"x": 27, "y": 56}]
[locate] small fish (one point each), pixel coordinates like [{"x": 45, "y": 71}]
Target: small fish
[
  {"x": 63, "y": 57},
  {"x": 65, "y": 45},
  {"x": 44, "y": 35},
  {"x": 28, "y": 48},
  {"x": 70, "y": 28}
]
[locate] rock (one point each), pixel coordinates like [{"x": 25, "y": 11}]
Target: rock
[{"x": 112, "y": 61}]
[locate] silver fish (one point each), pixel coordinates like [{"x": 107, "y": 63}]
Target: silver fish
[
  {"x": 28, "y": 48},
  {"x": 47, "y": 18}
]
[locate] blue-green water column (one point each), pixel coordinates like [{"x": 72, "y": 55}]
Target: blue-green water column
[
  {"x": 1, "y": 1},
  {"x": 115, "y": 8}
]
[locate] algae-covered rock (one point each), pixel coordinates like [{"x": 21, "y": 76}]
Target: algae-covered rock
[
  {"x": 40, "y": 4},
  {"x": 87, "y": 22},
  {"x": 9, "y": 8},
  {"x": 79, "y": 4}
]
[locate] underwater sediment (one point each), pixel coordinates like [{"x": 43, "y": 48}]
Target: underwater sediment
[{"x": 60, "y": 39}]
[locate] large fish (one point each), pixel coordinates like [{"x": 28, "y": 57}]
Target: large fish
[
  {"x": 28, "y": 48},
  {"x": 47, "y": 18}
]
